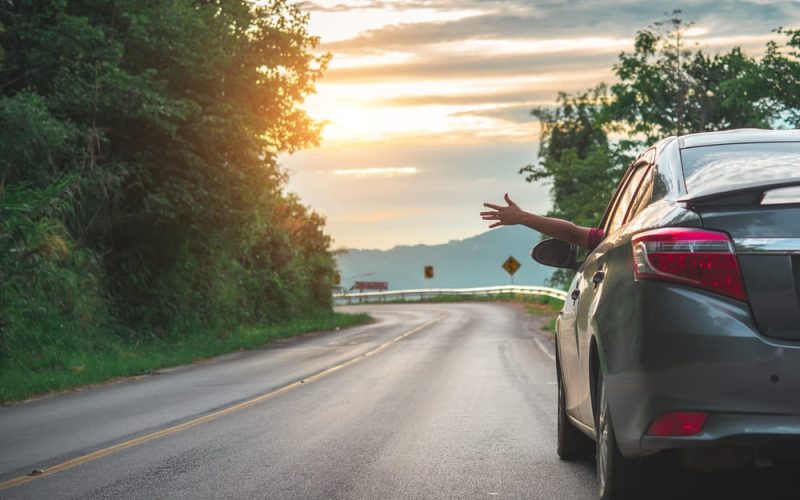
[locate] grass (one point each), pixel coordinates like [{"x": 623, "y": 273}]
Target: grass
[
  {"x": 123, "y": 358},
  {"x": 550, "y": 311}
]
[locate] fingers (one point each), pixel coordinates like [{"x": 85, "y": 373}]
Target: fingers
[{"x": 500, "y": 212}]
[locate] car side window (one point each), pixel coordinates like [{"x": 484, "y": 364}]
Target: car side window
[
  {"x": 644, "y": 195},
  {"x": 624, "y": 199}
]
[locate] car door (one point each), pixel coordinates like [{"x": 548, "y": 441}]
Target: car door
[
  {"x": 568, "y": 346},
  {"x": 593, "y": 276}
]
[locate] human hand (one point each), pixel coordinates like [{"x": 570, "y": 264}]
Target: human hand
[{"x": 505, "y": 216}]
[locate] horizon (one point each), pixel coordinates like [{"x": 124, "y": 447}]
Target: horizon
[{"x": 428, "y": 104}]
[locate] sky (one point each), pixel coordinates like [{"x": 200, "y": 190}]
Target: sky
[{"x": 427, "y": 102}]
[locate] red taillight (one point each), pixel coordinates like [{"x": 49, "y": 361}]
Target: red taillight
[
  {"x": 678, "y": 423},
  {"x": 696, "y": 257}
]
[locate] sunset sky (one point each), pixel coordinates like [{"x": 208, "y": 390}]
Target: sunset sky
[{"x": 428, "y": 101}]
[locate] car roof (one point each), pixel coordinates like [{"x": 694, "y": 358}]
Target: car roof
[{"x": 739, "y": 136}]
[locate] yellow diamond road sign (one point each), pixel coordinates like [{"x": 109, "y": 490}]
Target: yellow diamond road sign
[{"x": 511, "y": 265}]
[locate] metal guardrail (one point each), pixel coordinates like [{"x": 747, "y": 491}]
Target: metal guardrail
[{"x": 427, "y": 293}]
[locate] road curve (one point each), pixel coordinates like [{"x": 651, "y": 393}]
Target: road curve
[
  {"x": 429, "y": 401},
  {"x": 462, "y": 408}
]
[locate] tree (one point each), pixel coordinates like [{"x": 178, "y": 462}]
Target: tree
[
  {"x": 155, "y": 126},
  {"x": 781, "y": 66},
  {"x": 666, "y": 89},
  {"x": 575, "y": 152},
  {"x": 663, "y": 88}
]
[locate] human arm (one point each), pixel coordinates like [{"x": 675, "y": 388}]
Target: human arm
[{"x": 549, "y": 226}]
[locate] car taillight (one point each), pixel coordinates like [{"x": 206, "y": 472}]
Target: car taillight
[
  {"x": 678, "y": 423},
  {"x": 695, "y": 257}
]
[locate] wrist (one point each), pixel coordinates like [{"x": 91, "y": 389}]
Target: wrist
[{"x": 528, "y": 219}]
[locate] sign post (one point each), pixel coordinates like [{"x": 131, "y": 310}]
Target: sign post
[{"x": 511, "y": 265}]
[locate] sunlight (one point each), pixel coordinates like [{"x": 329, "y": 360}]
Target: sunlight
[{"x": 376, "y": 171}]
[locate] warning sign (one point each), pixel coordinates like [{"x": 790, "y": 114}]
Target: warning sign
[
  {"x": 511, "y": 265},
  {"x": 428, "y": 272}
]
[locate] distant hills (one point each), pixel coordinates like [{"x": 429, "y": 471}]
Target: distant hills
[{"x": 470, "y": 262}]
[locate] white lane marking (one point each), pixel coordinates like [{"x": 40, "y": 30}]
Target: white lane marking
[{"x": 544, "y": 348}]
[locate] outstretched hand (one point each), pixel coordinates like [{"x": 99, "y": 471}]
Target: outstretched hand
[{"x": 505, "y": 216}]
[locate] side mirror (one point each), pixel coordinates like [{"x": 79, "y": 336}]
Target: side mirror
[{"x": 556, "y": 253}]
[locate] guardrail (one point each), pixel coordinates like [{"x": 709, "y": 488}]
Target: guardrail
[{"x": 427, "y": 293}]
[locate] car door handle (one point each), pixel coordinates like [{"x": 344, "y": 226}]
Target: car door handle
[
  {"x": 598, "y": 277},
  {"x": 575, "y": 294}
]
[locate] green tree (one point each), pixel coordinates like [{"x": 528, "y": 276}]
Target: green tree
[
  {"x": 574, "y": 152},
  {"x": 156, "y": 126},
  {"x": 663, "y": 88},
  {"x": 781, "y": 66}
]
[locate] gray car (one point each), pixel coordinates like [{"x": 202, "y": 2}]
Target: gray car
[{"x": 681, "y": 330}]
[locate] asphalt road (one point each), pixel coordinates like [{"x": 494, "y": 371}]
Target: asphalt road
[{"x": 429, "y": 401}]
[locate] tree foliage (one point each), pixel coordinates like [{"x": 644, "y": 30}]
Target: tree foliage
[
  {"x": 668, "y": 89},
  {"x": 156, "y": 125},
  {"x": 663, "y": 88},
  {"x": 575, "y": 153}
]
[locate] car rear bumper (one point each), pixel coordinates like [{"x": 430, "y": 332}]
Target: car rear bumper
[
  {"x": 731, "y": 430},
  {"x": 686, "y": 350}
]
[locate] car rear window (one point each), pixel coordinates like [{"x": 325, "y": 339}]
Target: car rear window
[{"x": 729, "y": 165}]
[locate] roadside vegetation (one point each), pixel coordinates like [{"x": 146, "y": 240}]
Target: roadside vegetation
[
  {"x": 144, "y": 219},
  {"x": 665, "y": 86},
  {"x": 113, "y": 356}
]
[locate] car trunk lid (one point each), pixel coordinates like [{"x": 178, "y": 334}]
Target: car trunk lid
[{"x": 767, "y": 243}]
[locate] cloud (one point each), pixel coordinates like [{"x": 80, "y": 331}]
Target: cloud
[
  {"x": 385, "y": 215},
  {"x": 474, "y": 66},
  {"x": 447, "y": 86},
  {"x": 554, "y": 19},
  {"x": 376, "y": 171},
  {"x": 513, "y": 114}
]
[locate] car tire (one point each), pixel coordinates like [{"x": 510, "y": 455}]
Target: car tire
[
  {"x": 572, "y": 443},
  {"x": 616, "y": 475}
]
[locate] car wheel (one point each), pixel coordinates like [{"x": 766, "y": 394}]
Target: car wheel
[
  {"x": 616, "y": 476},
  {"x": 572, "y": 443}
]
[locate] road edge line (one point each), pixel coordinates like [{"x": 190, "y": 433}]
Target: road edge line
[{"x": 544, "y": 348}]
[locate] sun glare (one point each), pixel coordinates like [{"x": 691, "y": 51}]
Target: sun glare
[{"x": 376, "y": 171}]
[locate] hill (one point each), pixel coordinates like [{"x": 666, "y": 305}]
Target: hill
[{"x": 474, "y": 261}]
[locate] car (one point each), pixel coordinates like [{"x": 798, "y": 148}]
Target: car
[{"x": 680, "y": 333}]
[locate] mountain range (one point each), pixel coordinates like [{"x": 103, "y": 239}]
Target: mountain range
[{"x": 471, "y": 262}]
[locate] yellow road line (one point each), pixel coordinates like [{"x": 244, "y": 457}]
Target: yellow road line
[{"x": 211, "y": 416}]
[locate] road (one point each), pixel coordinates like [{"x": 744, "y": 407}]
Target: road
[{"x": 428, "y": 401}]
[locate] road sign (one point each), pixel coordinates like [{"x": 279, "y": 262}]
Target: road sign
[
  {"x": 337, "y": 279},
  {"x": 511, "y": 265},
  {"x": 428, "y": 272}
]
